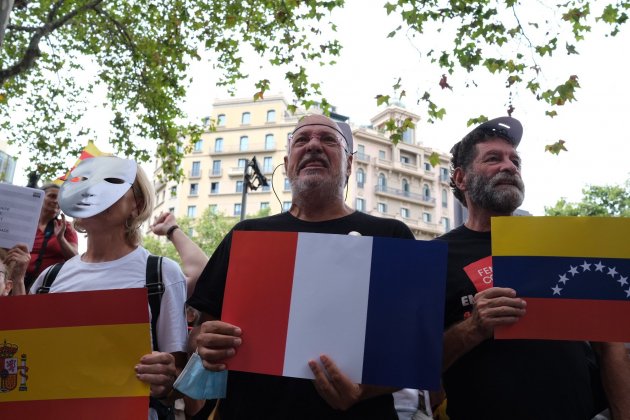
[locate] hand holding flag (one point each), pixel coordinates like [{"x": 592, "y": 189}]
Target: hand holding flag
[{"x": 217, "y": 342}]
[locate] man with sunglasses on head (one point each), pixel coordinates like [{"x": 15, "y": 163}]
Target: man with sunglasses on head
[
  {"x": 509, "y": 379},
  {"x": 318, "y": 164}
]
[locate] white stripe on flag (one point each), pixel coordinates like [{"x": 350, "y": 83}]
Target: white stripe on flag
[{"x": 330, "y": 289}]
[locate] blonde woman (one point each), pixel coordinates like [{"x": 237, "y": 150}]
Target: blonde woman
[{"x": 109, "y": 198}]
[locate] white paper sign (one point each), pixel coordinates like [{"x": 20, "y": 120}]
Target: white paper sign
[{"x": 19, "y": 214}]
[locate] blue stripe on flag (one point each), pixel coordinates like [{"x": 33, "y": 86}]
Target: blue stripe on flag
[
  {"x": 564, "y": 277},
  {"x": 407, "y": 286}
]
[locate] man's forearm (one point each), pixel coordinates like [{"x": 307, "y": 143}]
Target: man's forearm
[
  {"x": 615, "y": 373},
  {"x": 459, "y": 340}
]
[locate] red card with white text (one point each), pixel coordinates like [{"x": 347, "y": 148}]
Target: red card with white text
[{"x": 480, "y": 273}]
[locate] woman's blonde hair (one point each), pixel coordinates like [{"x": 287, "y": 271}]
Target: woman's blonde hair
[{"x": 143, "y": 194}]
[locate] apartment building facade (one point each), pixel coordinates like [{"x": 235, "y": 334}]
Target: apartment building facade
[{"x": 388, "y": 180}]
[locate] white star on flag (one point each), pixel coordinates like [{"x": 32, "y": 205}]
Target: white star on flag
[
  {"x": 586, "y": 266},
  {"x": 599, "y": 267},
  {"x": 573, "y": 271},
  {"x": 628, "y": 293},
  {"x": 563, "y": 279},
  {"x": 623, "y": 280},
  {"x": 556, "y": 290},
  {"x": 612, "y": 271}
]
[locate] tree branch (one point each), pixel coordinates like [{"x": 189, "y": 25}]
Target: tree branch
[{"x": 32, "y": 52}]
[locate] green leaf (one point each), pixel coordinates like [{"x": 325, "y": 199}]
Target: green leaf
[{"x": 556, "y": 147}]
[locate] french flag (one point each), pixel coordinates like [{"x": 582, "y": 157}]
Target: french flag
[{"x": 374, "y": 305}]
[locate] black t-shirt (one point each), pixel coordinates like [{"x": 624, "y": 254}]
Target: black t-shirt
[
  {"x": 254, "y": 396},
  {"x": 508, "y": 379}
]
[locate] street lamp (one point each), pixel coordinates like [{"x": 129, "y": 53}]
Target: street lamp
[{"x": 252, "y": 179}]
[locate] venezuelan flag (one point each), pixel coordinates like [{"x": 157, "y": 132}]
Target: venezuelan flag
[
  {"x": 72, "y": 355},
  {"x": 573, "y": 272},
  {"x": 374, "y": 305},
  {"x": 88, "y": 151}
]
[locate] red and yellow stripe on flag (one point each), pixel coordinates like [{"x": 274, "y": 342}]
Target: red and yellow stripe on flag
[
  {"x": 72, "y": 355},
  {"x": 88, "y": 151}
]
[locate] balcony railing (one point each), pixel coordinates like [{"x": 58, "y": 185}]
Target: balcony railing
[
  {"x": 194, "y": 174},
  {"x": 402, "y": 193}
]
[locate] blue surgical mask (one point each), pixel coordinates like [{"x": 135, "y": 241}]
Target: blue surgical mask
[{"x": 199, "y": 383}]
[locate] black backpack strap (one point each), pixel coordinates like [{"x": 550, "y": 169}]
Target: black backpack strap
[
  {"x": 49, "y": 278},
  {"x": 155, "y": 290}
]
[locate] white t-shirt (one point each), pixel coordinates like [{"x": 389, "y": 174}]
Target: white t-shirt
[{"x": 126, "y": 273}]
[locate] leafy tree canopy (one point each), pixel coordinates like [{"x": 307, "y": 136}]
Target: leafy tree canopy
[
  {"x": 596, "y": 201},
  {"x": 56, "y": 53},
  {"x": 209, "y": 230}
]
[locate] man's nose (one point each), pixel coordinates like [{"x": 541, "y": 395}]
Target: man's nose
[{"x": 314, "y": 143}]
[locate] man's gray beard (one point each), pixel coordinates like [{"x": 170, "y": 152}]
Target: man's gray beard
[
  {"x": 484, "y": 192},
  {"x": 325, "y": 189}
]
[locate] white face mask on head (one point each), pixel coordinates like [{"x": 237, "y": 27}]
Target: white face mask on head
[{"x": 96, "y": 184}]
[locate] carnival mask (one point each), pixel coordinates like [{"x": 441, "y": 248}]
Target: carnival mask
[{"x": 96, "y": 184}]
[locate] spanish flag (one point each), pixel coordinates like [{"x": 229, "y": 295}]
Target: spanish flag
[
  {"x": 72, "y": 355},
  {"x": 573, "y": 272},
  {"x": 88, "y": 151}
]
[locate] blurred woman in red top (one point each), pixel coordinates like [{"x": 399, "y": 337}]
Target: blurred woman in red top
[{"x": 55, "y": 239}]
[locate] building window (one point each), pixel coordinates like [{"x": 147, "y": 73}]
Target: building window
[
  {"x": 171, "y": 210},
  {"x": 404, "y": 212},
  {"x": 266, "y": 187},
  {"x": 286, "y": 205},
  {"x": 264, "y": 205},
  {"x": 173, "y": 192},
  {"x": 191, "y": 232},
  {"x": 407, "y": 136},
  {"x": 196, "y": 169},
  {"x": 194, "y": 189},
  {"x": 241, "y": 163},
  {"x": 191, "y": 212},
  {"x": 198, "y": 146},
  {"x": 446, "y": 224},
  {"x": 360, "y": 204},
  {"x": 267, "y": 165},
  {"x": 381, "y": 154},
  {"x": 244, "y": 143},
  {"x": 426, "y": 217},
  {"x": 221, "y": 120},
  {"x": 269, "y": 142},
  {"x": 382, "y": 182},
  {"x": 444, "y": 198},
  {"x": 360, "y": 178},
  {"x": 213, "y": 208},
  {"x": 405, "y": 159},
  {"x": 287, "y": 184},
  {"x": 218, "y": 145},
  {"x": 214, "y": 188},
  {"x": 245, "y": 118},
  {"x": 427, "y": 166},
  {"x": 271, "y": 115},
  {"x": 426, "y": 192},
  {"x": 444, "y": 174},
  {"x": 237, "y": 209},
  {"x": 405, "y": 187},
  {"x": 239, "y": 186},
  {"x": 381, "y": 207},
  {"x": 216, "y": 167}
]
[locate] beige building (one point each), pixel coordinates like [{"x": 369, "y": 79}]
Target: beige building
[{"x": 387, "y": 180}]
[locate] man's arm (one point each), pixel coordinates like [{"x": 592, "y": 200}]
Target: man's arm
[
  {"x": 494, "y": 306},
  {"x": 615, "y": 373}
]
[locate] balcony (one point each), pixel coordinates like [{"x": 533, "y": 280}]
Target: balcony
[
  {"x": 194, "y": 174},
  {"x": 404, "y": 195},
  {"x": 236, "y": 172},
  {"x": 362, "y": 157},
  {"x": 215, "y": 173}
]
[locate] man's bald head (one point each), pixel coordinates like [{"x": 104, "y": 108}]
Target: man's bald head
[{"x": 315, "y": 120}]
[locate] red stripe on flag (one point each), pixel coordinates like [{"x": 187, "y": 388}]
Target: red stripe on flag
[
  {"x": 119, "y": 408},
  {"x": 85, "y": 155},
  {"x": 268, "y": 299},
  {"x": 571, "y": 319},
  {"x": 75, "y": 309}
]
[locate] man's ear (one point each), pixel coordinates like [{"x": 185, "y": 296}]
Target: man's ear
[
  {"x": 349, "y": 161},
  {"x": 286, "y": 163},
  {"x": 459, "y": 178}
]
